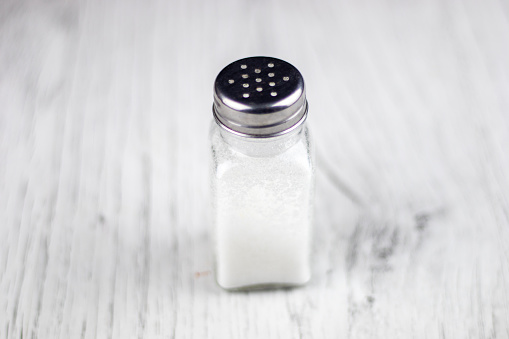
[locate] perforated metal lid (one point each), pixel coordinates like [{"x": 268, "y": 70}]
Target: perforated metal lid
[{"x": 259, "y": 97}]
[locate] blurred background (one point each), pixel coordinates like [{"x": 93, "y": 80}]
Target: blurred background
[{"x": 105, "y": 108}]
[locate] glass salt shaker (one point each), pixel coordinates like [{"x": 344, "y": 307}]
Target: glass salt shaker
[{"x": 262, "y": 176}]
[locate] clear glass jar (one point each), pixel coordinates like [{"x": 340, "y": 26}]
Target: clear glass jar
[{"x": 262, "y": 197}]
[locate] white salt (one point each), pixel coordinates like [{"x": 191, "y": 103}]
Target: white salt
[{"x": 263, "y": 209}]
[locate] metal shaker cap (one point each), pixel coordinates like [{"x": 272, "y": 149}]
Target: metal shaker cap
[{"x": 259, "y": 97}]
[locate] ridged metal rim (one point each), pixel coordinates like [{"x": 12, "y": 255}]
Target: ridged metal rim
[{"x": 271, "y": 135}]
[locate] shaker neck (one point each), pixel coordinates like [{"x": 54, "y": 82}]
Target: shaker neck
[{"x": 262, "y": 147}]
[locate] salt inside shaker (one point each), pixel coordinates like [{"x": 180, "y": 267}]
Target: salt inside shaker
[{"x": 262, "y": 176}]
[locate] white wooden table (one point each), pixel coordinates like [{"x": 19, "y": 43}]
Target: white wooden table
[{"x": 104, "y": 115}]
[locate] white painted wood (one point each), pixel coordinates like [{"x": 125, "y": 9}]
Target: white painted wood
[{"x": 104, "y": 115}]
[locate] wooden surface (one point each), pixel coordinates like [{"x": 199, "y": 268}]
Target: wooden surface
[{"x": 104, "y": 115}]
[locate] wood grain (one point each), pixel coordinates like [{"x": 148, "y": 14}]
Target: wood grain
[{"x": 104, "y": 117}]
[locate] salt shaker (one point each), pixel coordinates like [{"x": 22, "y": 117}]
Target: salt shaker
[{"x": 262, "y": 176}]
